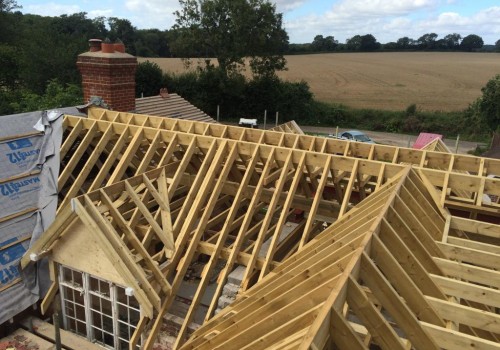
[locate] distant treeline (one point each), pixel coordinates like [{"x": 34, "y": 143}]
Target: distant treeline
[
  {"x": 38, "y": 71},
  {"x": 368, "y": 43}
]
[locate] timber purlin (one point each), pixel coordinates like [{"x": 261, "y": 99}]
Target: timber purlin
[{"x": 392, "y": 268}]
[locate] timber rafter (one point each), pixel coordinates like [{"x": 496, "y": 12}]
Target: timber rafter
[{"x": 374, "y": 257}]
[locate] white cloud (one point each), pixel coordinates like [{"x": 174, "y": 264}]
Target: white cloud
[
  {"x": 356, "y": 8},
  {"x": 389, "y": 20},
  {"x": 288, "y": 5},
  {"x": 152, "y": 13},
  {"x": 100, "y": 13},
  {"x": 485, "y": 23},
  {"x": 51, "y": 9}
]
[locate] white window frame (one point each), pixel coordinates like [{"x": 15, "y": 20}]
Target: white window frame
[{"x": 68, "y": 288}]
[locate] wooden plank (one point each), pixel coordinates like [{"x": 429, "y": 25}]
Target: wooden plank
[
  {"x": 404, "y": 255},
  {"x": 348, "y": 190},
  {"x": 469, "y": 272},
  {"x": 314, "y": 207},
  {"x": 408, "y": 237},
  {"x": 76, "y": 156},
  {"x": 166, "y": 215},
  {"x": 462, "y": 314},
  {"x": 284, "y": 214},
  {"x": 241, "y": 234},
  {"x": 135, "y": 242},
  {"x": 49, "y": 297},
  {"x": 376, "y": 324},
  {"x": 468, "y": 291},
  {"x": 402, "y": 282},
  {"x": 193, "y": 191},
  {"x": 87, "y": 168},
  {"x": 51, "y": 235},
  {"x": 469, "y": 255},
  {"x": 135, "y": 338},
  {"x": 470, "y": 244},
  {"x": 148, "y": 156},
  {"x": 267, "y": 221},
  {"x": 474, "y": 226},
  {"x": 25, "y": 340},
  {"x": 229, "y": 161},
  {"x": 187, "y": 242},
  {"x": 393, "y": 303},
  {"x": 69, "y": 340},
  {"x": 113, "y": 155},
  {"x": 454, "y": 340},
  {"x": 125, "y": 263},
  {"x": 169, "y": 244},
  {"x": 343, "y": 335},
  {"x": 71, "y": 138},
  {"x": 126, "y": 158}
]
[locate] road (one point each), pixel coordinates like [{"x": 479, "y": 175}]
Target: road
[{"x": 392, "y": 139}]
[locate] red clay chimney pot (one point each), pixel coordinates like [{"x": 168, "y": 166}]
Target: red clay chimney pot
[
  {"x": 95, "y": 45},
  {"x": 119, "y": 47}
]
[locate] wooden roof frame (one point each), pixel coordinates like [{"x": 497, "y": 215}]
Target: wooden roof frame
[
  {"x": 383, "y": 291},
  {"x": 460, "y": 187},
  {"x": 221, "y": 184}
]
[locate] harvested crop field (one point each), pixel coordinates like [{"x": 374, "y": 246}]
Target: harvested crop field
[{"x": 392, "y": 81}]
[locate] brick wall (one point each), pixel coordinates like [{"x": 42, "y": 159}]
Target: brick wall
[{"x": 110, "y": 76}]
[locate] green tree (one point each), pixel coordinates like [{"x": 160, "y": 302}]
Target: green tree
[
  {"x": 9, "y": 67},
  {"x": 56, "y": 95},
  {"x": 471, "y": 42},
  {"x": 497, "y": 45},
  {"x": 122, "y": 29},
  {"x": 452, "y": 41},
  {"x": 369, "y": 43},
  {"x": 489, "y": 103},
  {"x": 230, "y": 30},
  {"x": 49, "y": 50},
  {"x": 354, "y": 43},
  {"x": 405, "y": 43},
  {"x": 148, "y": 79},
  {"x": 8, "y": 5},
  {"x": 324, "y": 44},
  {"x": 427, "y": 41}
]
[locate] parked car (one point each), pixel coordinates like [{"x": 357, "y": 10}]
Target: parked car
[{"x": 355, "y": 135}]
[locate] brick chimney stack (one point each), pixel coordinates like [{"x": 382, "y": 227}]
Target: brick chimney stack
[{"x": 108, "y": 72}]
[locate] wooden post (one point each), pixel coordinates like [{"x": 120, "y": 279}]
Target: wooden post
[
  {"x": 277, "y": 118},
  {"x": 57, "y": 332},
  {"x": 265, "y": 118},
  {"x": 456, "y": 143},
  {"x": 337, "y": 132},
  {"x": 218, "y": 113}
]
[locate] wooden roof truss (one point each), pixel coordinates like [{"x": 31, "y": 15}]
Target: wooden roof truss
[
  {"x": 115, "y": 150},
  {"x": 167, "y": 193},
  {"x": 384, "y": 275}
]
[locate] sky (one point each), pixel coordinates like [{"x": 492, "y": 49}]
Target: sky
[{"x": 387, "y": 20}]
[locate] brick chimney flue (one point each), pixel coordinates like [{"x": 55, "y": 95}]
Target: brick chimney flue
[{"x": 110, "y": 76}]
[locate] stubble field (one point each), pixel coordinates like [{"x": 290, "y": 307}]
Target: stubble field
[{"x": 390, "y": 81}]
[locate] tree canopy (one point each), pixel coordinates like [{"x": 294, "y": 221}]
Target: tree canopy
[
  {"x": 471, "y": 42},
  {"x": 8, "y": 5},
  {"x": 489, "y": 103},
  {"x": 230, "y": 31}
]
